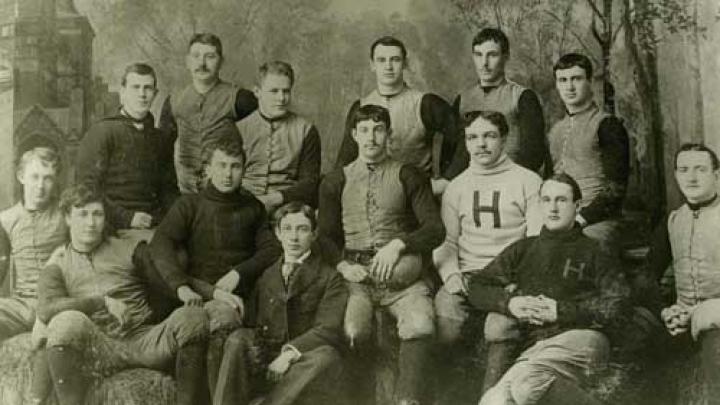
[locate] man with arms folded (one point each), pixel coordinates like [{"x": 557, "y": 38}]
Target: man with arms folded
[
  {"x": 381, "y": 213},
  {"x": 224, "y": 231},
  {"x": 416, "y": 117},
  {"x": 282, "y": 148},
  {"x": 567, "y": 293},
  {"x": 94, "y": 302},
  {"x": 202, "y": 111},
  {"x": 492, "y": 204},
  {"x": 295, "y": 317}
]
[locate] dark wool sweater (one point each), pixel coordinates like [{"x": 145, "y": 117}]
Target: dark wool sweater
[
  {"x": 567, "y": 266},
  {"x": 220, "y": 232},
  {"x": 132, "y": 167}
]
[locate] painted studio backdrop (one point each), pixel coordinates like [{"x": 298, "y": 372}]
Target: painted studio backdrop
[{"x": 656, "y": 63}]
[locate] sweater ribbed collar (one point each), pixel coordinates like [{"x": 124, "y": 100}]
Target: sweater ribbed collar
[
  {"x": 590, "y": 107},
  {"x": 486, "y": 88},
  {"x": 561, "y": 235},
  {"x": 701, "y": 205},
  {"x": 503, "y": 164},
  {"x": 212, "y": 193}
]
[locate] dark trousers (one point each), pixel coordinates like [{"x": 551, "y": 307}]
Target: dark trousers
[{"x": 242, "y": 374}]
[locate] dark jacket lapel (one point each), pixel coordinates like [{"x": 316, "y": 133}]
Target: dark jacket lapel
[{"x": 304, "y": 275}]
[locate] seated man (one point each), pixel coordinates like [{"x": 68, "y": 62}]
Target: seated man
[
  {"x": 295, "y": 318},
  {"x": 224, "y": 231},
  {"x": 490, "y": 205},
  {"x": 30, "y": 231},
  {"x": 282, "y": 148},
  {"x": 383, "y": 216},
  {"x": 128, "y": 160},
  {"x": 566, "y": 292},
  {"x": 93, "y": 300},
  {"x": 688, "y": 241}
]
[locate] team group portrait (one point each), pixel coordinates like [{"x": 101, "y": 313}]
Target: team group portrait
[{"x": 407, "y": 202}]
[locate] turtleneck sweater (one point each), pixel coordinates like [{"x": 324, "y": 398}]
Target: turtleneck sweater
[
  {"x": 130, "y": 162},
  {"x": 564, "y": 265},
  {"x": 485, "y": 209},
  {"x": 221, "y": 232}
]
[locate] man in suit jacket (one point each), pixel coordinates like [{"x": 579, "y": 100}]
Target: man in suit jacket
[{"x": 294, "y": 318}]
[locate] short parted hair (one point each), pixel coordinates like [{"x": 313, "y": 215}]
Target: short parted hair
[
  {"x": 494, "y": 117},
  {"x": 570, "y": 60},
  {"x": 230, "y": 143},
  {"x": 388, "y": 41},
  {"x": 78, "y": 196},
  {"x": 698, "y": 147},
  {"x": 565, "y": 178},
  {"x": 278, "y": 68},
  {"x": 293, "y": 207},
  {"x": 492, "y": 34},
  {"x": 45, "y": 155},
  {"x": 371, "y": 112},
  {"x": 207, "y": 39},
  {"x": 142, "y": 69}
]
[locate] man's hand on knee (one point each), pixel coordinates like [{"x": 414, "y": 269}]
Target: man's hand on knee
[
  {"x": 676, "y": 318},
  {"x": 354, "y": 273},
  {"x": 281, "y": 364},
  {"x": 455, "y": 284},
  {"x": 189, "y": 297}
]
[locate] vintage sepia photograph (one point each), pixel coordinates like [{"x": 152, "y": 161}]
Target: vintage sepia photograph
[{"x": 377, "y": 202}]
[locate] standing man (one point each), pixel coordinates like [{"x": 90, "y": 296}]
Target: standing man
[
  {"x": 526, "y": 144},
  {"x": 688, "y": 241},
  {"x": 416, "y": 117},
  {"x": 202, "y": 111},
  {"x": 94, "y": 302},
  {"x": 566, "y": 292},
  {"x": 228, "y": 241},
  {"x": 490, "y": 205},
  {"x": 295, "y": 316},
  {"x": 382, "y": 215},
  {"x": 30, "y": 231},
  {"x": 592, "y": 147},
  {"x": 127, "y": 159},
  {"x": 282, "y": 148}
]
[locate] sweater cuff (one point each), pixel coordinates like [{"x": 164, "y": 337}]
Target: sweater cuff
[{"x": 567, "y": 312}]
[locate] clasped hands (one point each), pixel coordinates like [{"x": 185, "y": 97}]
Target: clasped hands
[
  {"x": 535, "y": 310},
  {"x": 676, "y": 318}
]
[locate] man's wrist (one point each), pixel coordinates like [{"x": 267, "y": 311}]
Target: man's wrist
[
  {"x": 398, "y": 244},
  {"x": 580, "y": 220}
]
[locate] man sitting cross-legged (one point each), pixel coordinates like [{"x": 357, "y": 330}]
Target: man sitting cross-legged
[
  {"x": 566, "y": 292},
  {"x": 295, "y": 317},
  {"x": 94, "y": 302}
]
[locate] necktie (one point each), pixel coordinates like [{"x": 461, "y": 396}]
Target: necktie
[{"x": 288, "y": 269}]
